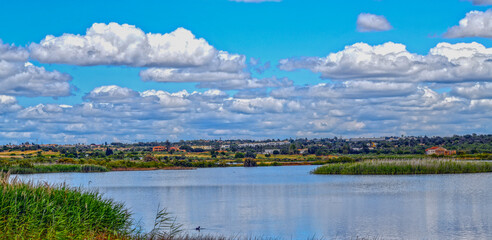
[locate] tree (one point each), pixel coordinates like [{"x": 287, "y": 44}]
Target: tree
[
  {"x": 239, "y": 155},
  {"x": 248, "y": 162},
  {"x": 109, "y": 151},
  {"x": 168, "y": 145},
  {"x": 250, "y": 154},
  {"x": 149, "y": 158},
  {"x": 186, "y": 148},
  {"x": 292, "y": 148}
]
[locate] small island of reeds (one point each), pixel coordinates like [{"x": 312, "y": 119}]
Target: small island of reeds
[{"x": 400, "y": 167}]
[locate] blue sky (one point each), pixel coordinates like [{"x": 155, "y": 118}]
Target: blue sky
[{"x": 293, "y": 38}]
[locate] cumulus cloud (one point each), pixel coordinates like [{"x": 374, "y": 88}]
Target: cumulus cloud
[
  {"x": 475, "y": 24},
  {"x": 367, "y": 22},
  {"x": 481, "y": 2},
  {"x": 172, "y": 57},
  {"x": 21, "y": 78},
  {"x": 8, "y": 104},
  {"x": 111, "y": 93},
  {"x": 392, "y": 62},
  {"x": 188, "y": 75},
  {"x": 123, "y": 44},
  {"x": 12, "y": 53},
  {"x": 475, "y": 91},
  {"x": 342, "y": 108},
  {"x": 262, "y": 105}
]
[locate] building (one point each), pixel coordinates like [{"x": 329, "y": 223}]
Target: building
[
  {"x": 439, "y": 151},
  {"x": 224, "y": 147},
  {"x": 263, "y": 144},
  {"x": 158, "y": 149},
  {"x": 204, "y": 147},
  {"x": 270, "y": 151}
]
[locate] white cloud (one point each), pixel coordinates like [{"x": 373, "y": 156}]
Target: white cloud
[
  {"x": 476, "y": 91},
  {"x": 475, "y": 24},
  {"x": 481, "y": 2},
  {"x": 173, "y": 57},
  {"x": 115, "y": 44},
  {"x": 112, "y": 93},
  {"x": 324, "y": 110},
  {"x": 188, "y": 75},
  {"x": 21, "y": 78},
  {"x": 12, "y": 53},
  {"x": 367, "y": 22},
  {"x": 8, "y": 104},
  {"x": 170, "y": 100},
  {"x": 392, "y": 62},
  {"x": 261, "y": 105}
]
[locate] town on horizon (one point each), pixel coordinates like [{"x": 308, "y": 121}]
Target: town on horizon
[{"x": 243, "y": 141}]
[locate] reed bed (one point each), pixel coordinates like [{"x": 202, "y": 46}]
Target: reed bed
[
  {"x": 397, "y": 167},
  {"x": 43, "y": 211}
]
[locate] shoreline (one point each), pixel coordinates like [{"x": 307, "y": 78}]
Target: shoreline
[{"x": 335, "y": 166}]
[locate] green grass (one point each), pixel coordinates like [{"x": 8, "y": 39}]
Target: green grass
[
  {"x": 396, "y": 167},
  {"x": 34, "y": 211},
  {"x": 51, "y": 168}
]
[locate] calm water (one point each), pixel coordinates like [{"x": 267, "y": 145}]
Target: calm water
[{"x": 289, "y": 202}]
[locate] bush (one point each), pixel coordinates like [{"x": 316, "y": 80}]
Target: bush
[
  {"x": 250, "y": 154},
  {"x": 248, "y": 162}
]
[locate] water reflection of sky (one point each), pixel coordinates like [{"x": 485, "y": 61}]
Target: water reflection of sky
[{"x": 289, "y": 202}]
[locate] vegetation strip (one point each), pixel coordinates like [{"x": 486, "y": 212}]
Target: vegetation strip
[
  {"x": 52, "y": 168},
  {"x": 398, "y": 167}
]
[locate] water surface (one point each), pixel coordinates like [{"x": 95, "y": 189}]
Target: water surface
[{"x": 290, "y": 203}]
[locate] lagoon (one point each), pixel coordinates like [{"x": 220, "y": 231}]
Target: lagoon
[{"x": 290, "y": 203}]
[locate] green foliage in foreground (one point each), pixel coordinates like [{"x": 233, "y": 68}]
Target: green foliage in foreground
[
  {"x": 22, "y": 169},
  {"x": 378, "y": 167},
  {"x": 29, "y": 211}
]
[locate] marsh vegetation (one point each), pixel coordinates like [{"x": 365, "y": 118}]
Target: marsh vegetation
[{"x": 413, "y": 166}]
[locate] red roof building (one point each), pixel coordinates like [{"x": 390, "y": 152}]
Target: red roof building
[
  {"x": 439, "y": 151},
  {"x": 159, "y": 149}
]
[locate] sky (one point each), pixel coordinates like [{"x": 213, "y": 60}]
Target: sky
[{"x": 129, "y": 71}]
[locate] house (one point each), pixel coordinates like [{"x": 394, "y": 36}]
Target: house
[
  {"x": 224, "y": 147},
  {"x": 439, "y": 151},
  {"x": 270, "y": 151},
  {"x": 158, "y": 149},
  {"x": 204, "y": 147}
]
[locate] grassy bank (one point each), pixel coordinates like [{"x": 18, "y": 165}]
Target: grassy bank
[{"x": 396, "y": 167}]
